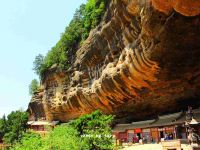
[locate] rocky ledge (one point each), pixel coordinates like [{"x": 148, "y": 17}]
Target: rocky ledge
[{"x": 142, "y": 60}]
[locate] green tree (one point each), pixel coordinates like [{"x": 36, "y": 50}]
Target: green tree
[
  {"x": 87, "y": 17},
  {"x": 95, "y": 130},
  {"x": 63, "y": 138},
  {"x": 33, "y": 87},
  {"x": 89, "y": 132},
  {"x": 29, "y": 141},
  {"x": 93, "y": 12},
  {"x": 38, "y": 64},
  {"x": 3, "y": 126},
  {"x": 16, "y": 125}
]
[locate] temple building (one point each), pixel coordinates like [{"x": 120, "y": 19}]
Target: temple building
[
  {"x": 41, "y": 127},
  {"x": 156, "y": 130},
  {"x": 129, "y": 132}
]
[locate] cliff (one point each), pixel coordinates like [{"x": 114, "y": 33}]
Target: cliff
[{"x": 143, "y": 59}]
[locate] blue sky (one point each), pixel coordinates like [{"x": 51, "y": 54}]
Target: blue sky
[{"x": 27, "y": 28}]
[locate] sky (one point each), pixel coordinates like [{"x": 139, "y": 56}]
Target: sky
[{"x": 27, "y": 28}]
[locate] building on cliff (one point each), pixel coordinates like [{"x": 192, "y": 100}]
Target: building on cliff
[
  {"x": 157, "y": 129},
  {"x": 41, "y": 127}
]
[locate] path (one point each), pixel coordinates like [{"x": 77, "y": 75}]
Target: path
[{"x": 152, "y": 147}]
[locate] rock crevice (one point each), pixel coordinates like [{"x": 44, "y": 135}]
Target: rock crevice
[{"x": 142, "y": 60}]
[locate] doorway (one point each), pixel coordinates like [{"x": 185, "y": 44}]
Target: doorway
[
  {"x": 139, "y": 135},
  {"x": 161, "y": 134}
]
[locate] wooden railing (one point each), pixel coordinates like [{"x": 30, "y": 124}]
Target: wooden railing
[{"x": 171, "y": 144}]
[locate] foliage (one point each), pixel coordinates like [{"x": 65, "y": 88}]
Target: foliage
[
  {"x": 13, "y": 127},
  {"x": 63, "y": 138},
  {"x": 95, "y": 127},
  {"x": 95, "y": 130},
  {"x": 85, "y": 18},
  {"x": 29, "y": 141},
  {"x": 92, "y": 14},
  {"x": 33, "y": 87},
  {"x": 3, "y": 126},
  {"x": 91, "y": 131},
  {"x": 38, "y": 64}
]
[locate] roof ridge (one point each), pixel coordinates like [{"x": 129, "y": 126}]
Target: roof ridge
[{"x": 170, "y": 115}]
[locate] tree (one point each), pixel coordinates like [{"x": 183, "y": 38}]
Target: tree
[
  {"x": 89, "y": 132},
  {"x": 63, "y": 138},
  {"x": 33, "y": 87},
  {"x": 95, "y": 130},
  {"x": 93, "y": 12},
  {"x": 87, "y": 17},
  {"x": 16, "y": 126},
  {"x": 38, "y": 64},
  {"x": 29, "y": 141},
  {"x": 78, "y": 15},
  {"x": 3, "y": 127}
]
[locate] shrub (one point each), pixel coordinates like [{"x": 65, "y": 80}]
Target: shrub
[
  {"x": 29, "y": 141},
  {"x": 95, "y": 130},
  {"x": 63, "y": 138},
  {"x": 88, "y": 132}
]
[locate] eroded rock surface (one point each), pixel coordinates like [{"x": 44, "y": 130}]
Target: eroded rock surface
[{"x": 142, "y": 60}]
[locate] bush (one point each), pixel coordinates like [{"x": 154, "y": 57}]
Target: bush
[
  {"x": 63, "y": 138},
  {"x": 29, "y": 141},
  {"x": 95, "y": 130},
  {"x": 89, "y": 132}
]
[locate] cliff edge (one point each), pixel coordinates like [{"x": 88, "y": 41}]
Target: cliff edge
[{"x": 143, "y": 59}]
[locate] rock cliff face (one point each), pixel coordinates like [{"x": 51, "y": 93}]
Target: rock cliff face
[{"x": 142, "y": 60}]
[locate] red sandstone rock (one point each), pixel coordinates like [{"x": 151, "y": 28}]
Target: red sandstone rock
[
  {"x": 140, "y": 62},
  {"x": 163, "y": 6},
  {"x": 185, "y": 7}
]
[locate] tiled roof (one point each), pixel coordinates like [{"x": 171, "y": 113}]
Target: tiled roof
[
  {"x": 133, "y": 125},
  {"x": 170, "y": 116},
  {"x": 141, "y": 124},
  {"x": 164, "y": 120},
  {"x": 45, "y": 123},
  {"x": 180, "y": 120},
  {"x": 121, "y": 127}
]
